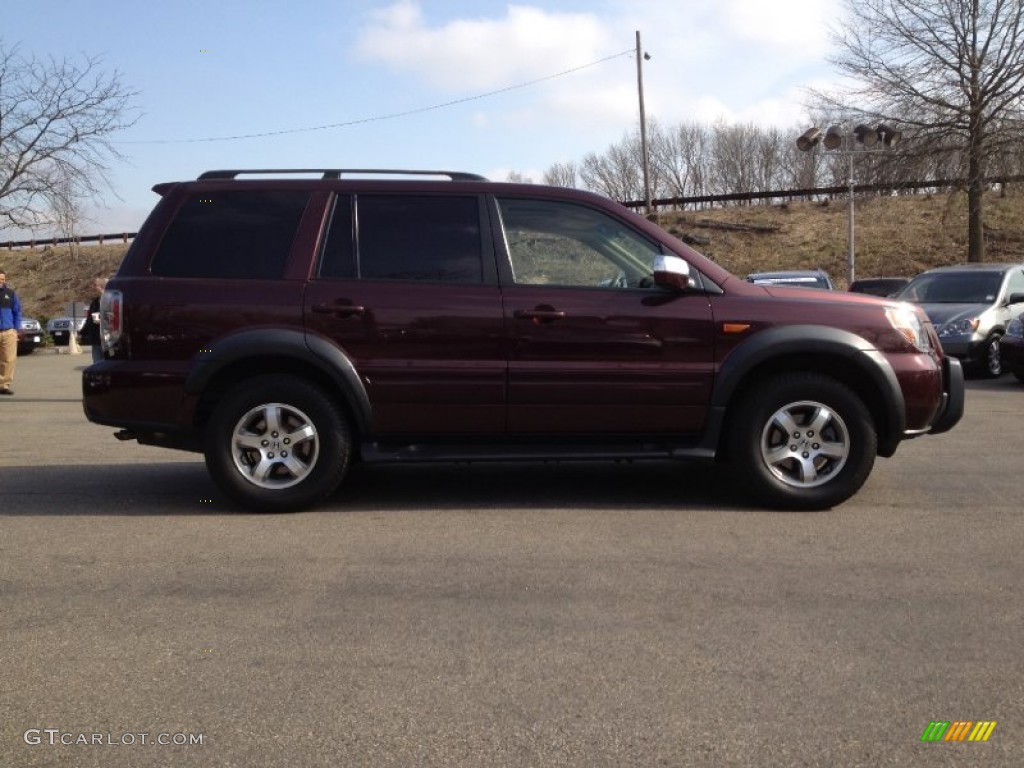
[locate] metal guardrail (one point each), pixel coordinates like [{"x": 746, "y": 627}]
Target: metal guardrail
[
  {"x": 663, "y": 201},
  {"x": 842, "y": 190},
  {"x": 55, "y": 241}
]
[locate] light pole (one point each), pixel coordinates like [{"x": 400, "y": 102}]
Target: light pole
[
  {"x": 640, "y": 58},
  {"x": 843, "y": 141}
]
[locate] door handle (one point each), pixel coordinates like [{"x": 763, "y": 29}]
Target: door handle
[{"x": 339, "y": 310}]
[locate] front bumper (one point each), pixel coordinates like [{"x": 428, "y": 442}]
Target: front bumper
[
  {"x": 968, "y": 349},
  {"x": 29, "y": 341},
  {"x": 952, "y": 409}
]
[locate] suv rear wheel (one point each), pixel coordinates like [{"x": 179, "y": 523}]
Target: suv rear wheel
[
  {"x": 803, "y": 441},
  {"x": 277, "y": 444}
]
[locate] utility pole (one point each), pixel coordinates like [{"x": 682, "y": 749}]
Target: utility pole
[{"x": 640, "y": 56}]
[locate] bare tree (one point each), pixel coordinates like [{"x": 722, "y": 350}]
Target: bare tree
[
  {"x": 561, "y": 175},
  {"x": 56, "y": 120},
  {"x": 953, "y": 70},
  {"x": 618, "y": 173},
  {"x": 66, "y": 212},
  {"x": 515, "y": 177},
  {"x": 679, "y": 158},
  {"x": 733, "y": 158}
]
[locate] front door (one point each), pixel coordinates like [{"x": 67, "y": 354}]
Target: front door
[{"x": 595, "y": 346}]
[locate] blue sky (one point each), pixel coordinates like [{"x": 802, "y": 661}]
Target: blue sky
[{"x": 222, "y": 68}]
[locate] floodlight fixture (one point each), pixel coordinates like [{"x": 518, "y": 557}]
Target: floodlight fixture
[
  {"x": 865, "y": 135},
  {"x": 833, "y": 137},
  {"x": 808, "y": 139},
  {"x": 890, "y": 136},
  {"x": 842, "y": 139}
]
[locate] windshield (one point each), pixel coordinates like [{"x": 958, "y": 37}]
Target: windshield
[{"x": 953, "y": 288}]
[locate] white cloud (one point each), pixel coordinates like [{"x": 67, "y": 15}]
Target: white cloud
[
  {"x": 783, "y": 24},
  {"x": 712, "y": 60},
  {"x": 466, "y": 54}
]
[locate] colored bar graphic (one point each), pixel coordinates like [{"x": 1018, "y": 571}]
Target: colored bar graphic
[
  {"x": 982, "y": 730},
  {"x": 958, "y": 730}
]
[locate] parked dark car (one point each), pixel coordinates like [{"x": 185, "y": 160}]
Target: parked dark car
[
  {"x": 807, "y": 278},
  {"x": 970, "y": 306},
  {"x": 60, "y": 329},
  {"x": 30, "y": 336},
  {"x": 1013, "y": 347},
  {"x": 288, "y": 327},
  {"x": 879, "y": 286}
]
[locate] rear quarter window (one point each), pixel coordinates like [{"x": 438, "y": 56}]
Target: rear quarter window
[{"x": 238, "y": 234}]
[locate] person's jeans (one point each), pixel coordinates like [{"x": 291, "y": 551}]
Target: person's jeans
[{"x": 97, "y": 352}]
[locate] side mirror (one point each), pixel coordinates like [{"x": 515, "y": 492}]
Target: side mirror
[{"x": 673, "y": 273}]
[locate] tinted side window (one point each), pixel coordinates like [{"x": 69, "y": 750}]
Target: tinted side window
[
  {"x": 409, "y": 237},
  {"x": 556, "y": 243},
  {"x": 231, "y": 234}
]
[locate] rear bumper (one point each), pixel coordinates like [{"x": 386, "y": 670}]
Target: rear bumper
[{"x": 128, "y": 395}]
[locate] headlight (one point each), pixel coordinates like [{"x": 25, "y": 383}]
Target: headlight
[
  {"x": 1015, "y": 328},
  {"x": 904, "y": 318},
  {"x": 964, "y": 327}
]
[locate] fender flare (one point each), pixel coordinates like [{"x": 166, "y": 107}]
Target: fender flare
[
  {"x": 284, "y": 343},
  {"x": 818, "y": 340}
]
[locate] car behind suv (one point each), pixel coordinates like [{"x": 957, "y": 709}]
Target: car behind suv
[
  {"x": 878, "y": 286},
  {"x": 798, "y": 278},
  {"x": 287, "y": 327},
  {"x": 30, "y": 336},
  {"x": 970, "y": 306},
  {"x": 61, "y": 328}
]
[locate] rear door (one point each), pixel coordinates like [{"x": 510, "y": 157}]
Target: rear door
[
  {"x": 407, "y": 288},
  {"x": 595, "y": 347}
]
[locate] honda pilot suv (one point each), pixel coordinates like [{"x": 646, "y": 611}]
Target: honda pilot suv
[{"x": 287, "y": 326}]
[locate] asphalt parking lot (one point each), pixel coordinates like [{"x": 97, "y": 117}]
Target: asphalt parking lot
[{"x": 496, "y": 615}]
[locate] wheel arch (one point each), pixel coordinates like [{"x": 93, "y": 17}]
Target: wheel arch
[
  {"x": 831, "y": 352},
  {"x": 283, "y": 351}
]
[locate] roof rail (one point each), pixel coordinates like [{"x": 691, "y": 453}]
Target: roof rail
[{"x": 337, "y": 173}]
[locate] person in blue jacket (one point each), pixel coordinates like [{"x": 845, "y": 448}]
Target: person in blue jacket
[{"x": 10, "y": 322}]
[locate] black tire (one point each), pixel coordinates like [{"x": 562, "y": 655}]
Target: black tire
[
  {"x": 991, "y": 361},
  {"x": 803, "y": 472},
  {"x": 1019, "y": 376},
  {"x": 292, "y": 467}
]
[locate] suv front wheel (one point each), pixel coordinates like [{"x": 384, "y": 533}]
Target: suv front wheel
[
  {"x": 277, "y": 444},
  {"x": 803, "y": 441}
]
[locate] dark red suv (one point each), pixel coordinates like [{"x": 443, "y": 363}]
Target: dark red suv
[{"x": 287, "y": 326}]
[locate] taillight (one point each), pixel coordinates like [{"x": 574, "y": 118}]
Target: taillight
[{"x": 110, "y": 319}]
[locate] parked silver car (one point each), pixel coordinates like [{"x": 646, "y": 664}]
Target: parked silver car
[
  {"x": 970, "y": 306},
  {"x": 60, "y": 329},
  {"x": 801, "y": 278}
]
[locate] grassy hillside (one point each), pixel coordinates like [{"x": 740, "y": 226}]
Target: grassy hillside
[
  {"x": 898, "y": 236},
  {"x": 894, "y": 236},
  {"x": 47, "y": 279}
]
